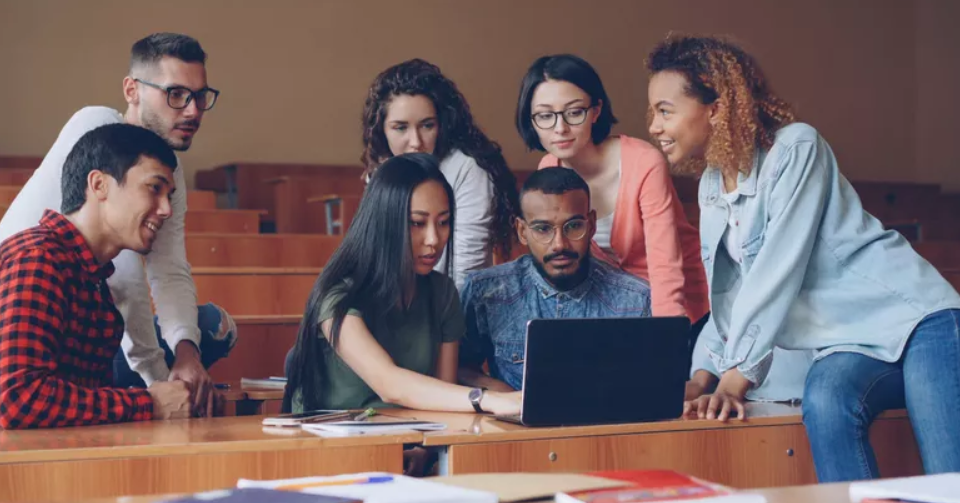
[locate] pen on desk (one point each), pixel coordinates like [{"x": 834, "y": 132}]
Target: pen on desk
[
  {"x": 367, "y": 414},
  {"x": 341, "y": 482},
  {"x": 221, "y": 385}
]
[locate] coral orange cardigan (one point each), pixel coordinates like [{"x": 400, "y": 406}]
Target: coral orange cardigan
[{"x": 651, "y": 234}]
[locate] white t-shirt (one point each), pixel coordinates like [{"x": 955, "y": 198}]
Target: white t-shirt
[
  {"x": 602, "y": 236},
  {"x": 605, "y": 226},
  {"x": 474, "y": 195},
  {"x": 167, "y": 270},
  {"x": 731, "y": 236}
]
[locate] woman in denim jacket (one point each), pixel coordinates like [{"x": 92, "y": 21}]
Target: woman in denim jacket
[{"x": 794, "y": 261}]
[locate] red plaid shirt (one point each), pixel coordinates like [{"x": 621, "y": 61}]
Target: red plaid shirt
[{"x": 59, "y": 332}]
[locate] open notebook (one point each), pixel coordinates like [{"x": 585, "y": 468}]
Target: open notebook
[{"x": 942, "y": 488}]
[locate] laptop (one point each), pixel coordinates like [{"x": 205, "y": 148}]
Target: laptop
[{"x": 603, "y": 370}]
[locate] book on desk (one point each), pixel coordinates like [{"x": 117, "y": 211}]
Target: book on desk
[
  {"x": 264, "y": 383},
  {"x": 648, "y": 486}
]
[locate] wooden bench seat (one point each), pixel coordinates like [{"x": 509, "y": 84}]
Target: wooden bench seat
[
  {"x": 201, "y": 200},
  {"x": 262, "y": 345},
  {"x": 293, "y": 213},
  {"x": 221, "y": 221},
  {"x": 256, "y": 290},
  {"x": 260, "y": 250},
  {"x": 338, "y": 211},
  {"x": 243, "y": 182}
]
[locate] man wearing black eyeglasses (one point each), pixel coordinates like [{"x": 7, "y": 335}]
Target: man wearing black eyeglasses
[
  {"x": 166, "y": 92},
  {"x": 558, "y": 278}
]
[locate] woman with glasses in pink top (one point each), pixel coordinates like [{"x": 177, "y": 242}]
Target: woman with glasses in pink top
[{"x": 564, "y": 110}]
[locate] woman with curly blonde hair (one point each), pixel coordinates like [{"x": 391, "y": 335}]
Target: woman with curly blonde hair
[{"x": 795, "y": 262}]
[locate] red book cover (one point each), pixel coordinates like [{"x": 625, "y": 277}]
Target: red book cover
[{"x": 647, "y": 486}]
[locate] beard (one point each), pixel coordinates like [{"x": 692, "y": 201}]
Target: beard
[
  {"x": 152, "y": 121},
  {"x": 569, "y": 281}
]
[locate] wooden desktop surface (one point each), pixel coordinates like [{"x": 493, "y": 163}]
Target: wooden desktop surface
[
  {"x": 471, "y": 428},
  {"x": 158, "y": 438},
  {"x": 161, "y": 457}
]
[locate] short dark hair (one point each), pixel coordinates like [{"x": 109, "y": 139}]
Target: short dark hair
[
  {"x": 555, "y": 181},
  {"x": 152, "y": 48},
  {"x": 112, "y": 149},
  {"x": 568, "y": 68}
]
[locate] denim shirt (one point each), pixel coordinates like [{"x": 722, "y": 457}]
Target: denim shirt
[
  {"x": 817, "y": 273},
  {"x": 499, "y": 301}
]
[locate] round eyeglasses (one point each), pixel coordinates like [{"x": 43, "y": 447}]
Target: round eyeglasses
[
  {"x": 572, "y": 116},
  {"x": 179, "y": 97},
  {"x": 574, "y": 230}
]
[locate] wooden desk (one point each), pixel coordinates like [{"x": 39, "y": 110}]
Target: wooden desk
[
  {"x": 769, "y": 449},
  {"x": 164, "y": 457}
]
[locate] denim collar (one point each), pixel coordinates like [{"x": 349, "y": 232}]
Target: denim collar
[
  {"x": 746, "y": 184},
  {"x": 546, "y": 290}
]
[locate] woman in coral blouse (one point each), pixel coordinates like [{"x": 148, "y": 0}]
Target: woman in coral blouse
[{"x": 564, "y": 110}]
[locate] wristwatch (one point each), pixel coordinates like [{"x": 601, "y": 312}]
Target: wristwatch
[{"x": 475, "y": 396}]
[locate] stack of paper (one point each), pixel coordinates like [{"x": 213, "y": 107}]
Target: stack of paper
[
  {"x": 942, "y": 488},
  {"x": 254, "y": 495},
  {"x": 369, "y": 427},
  {"x": 377, "y": 488}
]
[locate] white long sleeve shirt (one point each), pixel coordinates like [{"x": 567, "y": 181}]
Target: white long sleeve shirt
[
  {"x": 167, "y": 269},
  {"x": 473, "y": 193}
]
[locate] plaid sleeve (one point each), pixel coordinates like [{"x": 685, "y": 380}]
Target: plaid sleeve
[{"x": 33, "y": 310}]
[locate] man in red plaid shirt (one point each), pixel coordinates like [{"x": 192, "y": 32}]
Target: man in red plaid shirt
[{"x": 59, "y": 327}]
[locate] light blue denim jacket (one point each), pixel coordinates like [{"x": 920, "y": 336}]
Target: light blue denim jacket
[
  {"x": 498, "y": 302},
  {"x": 818, "y": 272}
]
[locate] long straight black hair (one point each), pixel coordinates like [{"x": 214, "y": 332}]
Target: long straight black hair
[{"x": 376, "y": 257}]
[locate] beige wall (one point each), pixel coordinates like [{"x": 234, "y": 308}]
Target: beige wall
[
  {"x": 938, "y": 92},
  {"x": 294, "y": 73}
]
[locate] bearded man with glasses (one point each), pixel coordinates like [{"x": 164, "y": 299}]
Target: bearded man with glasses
[
  {"x": 166, "y": 92},
  {"x": 558, "y": 278}
]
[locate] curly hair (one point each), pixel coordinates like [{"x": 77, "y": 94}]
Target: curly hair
[
  {"x": 717, "y": 70},
  {"x": 457, "y": 131}
]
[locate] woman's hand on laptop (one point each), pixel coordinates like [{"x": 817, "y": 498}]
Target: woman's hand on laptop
[{"x": 501, "y": 404}]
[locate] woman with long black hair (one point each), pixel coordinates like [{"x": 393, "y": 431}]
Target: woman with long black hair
[{"x": 382, "y": 327}]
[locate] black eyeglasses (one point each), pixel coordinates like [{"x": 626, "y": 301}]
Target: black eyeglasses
[
  {"x": 179, "y": 97},
  {"x": 574, "y": 230},
  {"x": 572, "y": 116}
]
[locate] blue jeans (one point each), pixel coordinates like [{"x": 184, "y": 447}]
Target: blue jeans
[
  {"x": 845, "y": 391},
  {"x": 216, "y": 341}
]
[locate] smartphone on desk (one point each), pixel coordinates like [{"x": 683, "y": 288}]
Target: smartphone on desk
[{"x": 310, "y": 416}]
